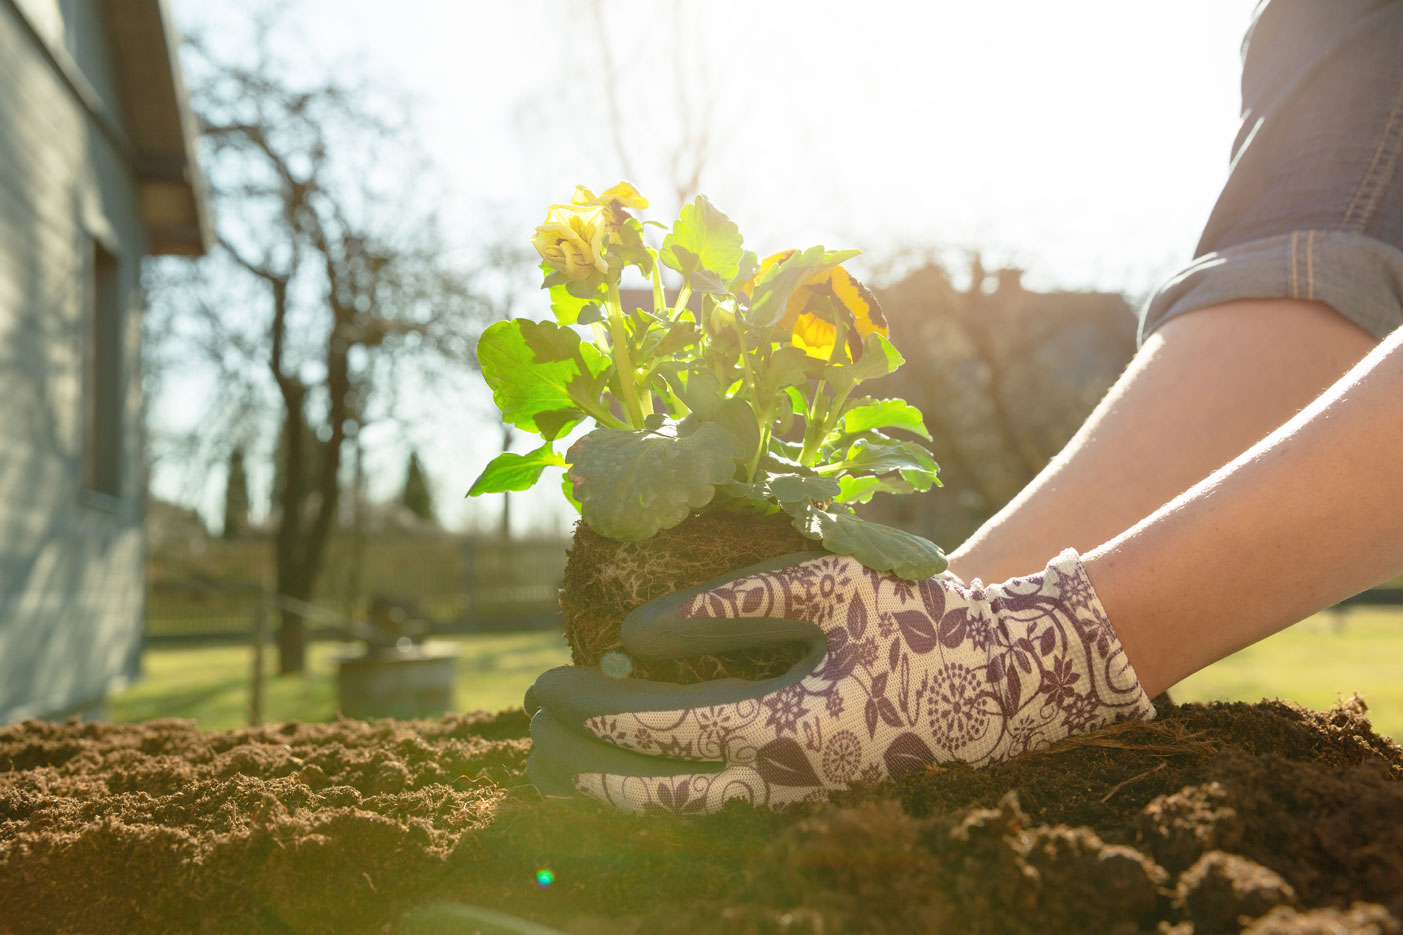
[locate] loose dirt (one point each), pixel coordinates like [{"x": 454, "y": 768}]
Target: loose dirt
[{"x": 1265, "y": 819}]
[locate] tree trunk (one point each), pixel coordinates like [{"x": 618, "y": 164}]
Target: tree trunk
[{"x": 293, "y": 582}]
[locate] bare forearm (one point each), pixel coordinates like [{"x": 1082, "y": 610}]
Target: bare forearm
[
  {"x": 1311, "y": 514},
  {"x": 1201, "y": 391}
]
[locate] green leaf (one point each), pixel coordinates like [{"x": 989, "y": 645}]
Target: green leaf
[
  {"x": 838, "y": 257},
  {"x": 554, "y": 423},
  {"x": 798, "y": 401},
  {"x": 883, "y": 548},
  {"x": 861, "y": 488},
  {"x": 679, "y": 335},
  {"x": 879, "y": 358},
  {"x": 869, "y": 456},
  {"x": 703, "y": 239},
  {"x": 786, "y": 368},
  {"x": 628, "y": 246},
  {"x": 570, "y": 298},
  {"x": 921, "y": 480},
  {"x": 701, "y": 280},
  {"x": 788, "y": 488},
  {"x": 749, "y": 263},
  {"x": 510, "y": 471},
  {"x": 739, "y": 419},
  {"x": 548, "y": 341},
  {"x": 753, "y": 494},
  {"x": 784, "y": 420},
  {"x": 701, "y": 393},
  {"x": 567, "y": 487},
  {"x": 770, "y": 298},
  {"x": 857, "y": 489},
  {"x": 633, "y": 484},
  {"x": 522, "y": 386},
  {"x": 808, "y": 520},
  {"x": 885, "y": 413}
]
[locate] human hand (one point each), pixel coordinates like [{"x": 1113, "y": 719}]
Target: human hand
[{"x": 898, "y": 674}]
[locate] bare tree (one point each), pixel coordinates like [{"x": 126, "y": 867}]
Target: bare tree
[
  {"x": 680, "y": 136},
  {"x": 329, "y": 291}
]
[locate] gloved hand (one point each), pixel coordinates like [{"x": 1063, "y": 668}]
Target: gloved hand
[{"x": 898, "y": 674}]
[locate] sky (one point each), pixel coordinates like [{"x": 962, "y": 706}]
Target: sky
[{"x": 1084, "y": 141}]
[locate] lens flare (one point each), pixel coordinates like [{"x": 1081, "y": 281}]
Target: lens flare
[{"x": 544, "y": 877}]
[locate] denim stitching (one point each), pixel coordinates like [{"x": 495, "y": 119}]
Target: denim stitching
[
  {"x": 1295, "y": 293},
  {"x": 1310, "y": 265},
  {"x": 1387, "y": 141}
]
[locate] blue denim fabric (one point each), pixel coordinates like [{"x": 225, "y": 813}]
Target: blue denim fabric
[{"x": 1313, "y": 204}]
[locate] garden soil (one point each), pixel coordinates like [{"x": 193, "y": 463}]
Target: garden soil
[{"x": 1262, "y": 818}]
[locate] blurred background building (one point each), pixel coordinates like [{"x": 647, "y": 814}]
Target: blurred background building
[{"x": 96, "y": 172}]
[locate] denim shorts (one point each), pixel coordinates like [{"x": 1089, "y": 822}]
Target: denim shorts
[{"x": 1313, "y": 204}]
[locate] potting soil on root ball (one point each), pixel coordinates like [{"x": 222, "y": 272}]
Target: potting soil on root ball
[
  {"x": 1262, "y": 818},
  {"x": 605, "y": 579}
]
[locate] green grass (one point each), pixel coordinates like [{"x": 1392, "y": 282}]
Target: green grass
[
  {"x": 1313, "y": 663},
  {"x": 210, "y": 684}
]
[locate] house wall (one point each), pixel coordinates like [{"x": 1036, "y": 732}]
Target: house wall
[{"x": 71, "y": 584}]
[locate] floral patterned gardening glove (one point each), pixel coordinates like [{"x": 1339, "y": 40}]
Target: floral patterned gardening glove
[{"x": 899, "y": 674}]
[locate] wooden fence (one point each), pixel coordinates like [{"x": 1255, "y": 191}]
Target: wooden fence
[{"x": 458, "y": 584}]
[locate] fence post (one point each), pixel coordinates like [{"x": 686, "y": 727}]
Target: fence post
[
  {"x": 260, "y": 634},
  {"x": 470, "y": 579}
]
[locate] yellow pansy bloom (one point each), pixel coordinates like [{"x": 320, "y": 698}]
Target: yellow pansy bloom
[
  {"x": 573, "y": 238},
  {"x": 614, "y": 200},
  {"x": 812, "y": 333}
]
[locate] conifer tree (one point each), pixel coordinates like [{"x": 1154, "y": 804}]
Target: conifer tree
[
  {"x": 236, "y": 497},
  {"x": 416, "y": 497}
]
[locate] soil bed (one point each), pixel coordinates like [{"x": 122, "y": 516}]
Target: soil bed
[{"x": 1214, "y": 818}]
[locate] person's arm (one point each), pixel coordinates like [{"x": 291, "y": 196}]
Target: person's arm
[
  {"x": 1202, "y": 389},
  {"x": 1308, "y": 516},
  {"x": 899, "y": 674}
]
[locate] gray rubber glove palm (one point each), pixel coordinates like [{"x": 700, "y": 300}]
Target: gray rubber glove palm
[{"x": 899, "y": 674}]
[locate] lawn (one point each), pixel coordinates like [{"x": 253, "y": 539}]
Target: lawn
[
  {"x": 1314, "y": 663},
  {"x": 211, "y": 683}
]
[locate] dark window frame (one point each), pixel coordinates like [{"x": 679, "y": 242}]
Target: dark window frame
[{"x": 104, "y": 377}]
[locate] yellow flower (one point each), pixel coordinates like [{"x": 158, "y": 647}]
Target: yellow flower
[
  {"x": 816, "y": 335},
  {"x": 573, "y": 238},
  {"x": 614, "y": 200}
]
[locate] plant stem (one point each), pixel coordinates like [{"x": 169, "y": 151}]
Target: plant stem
[
  {"x": 830, "y": 421},
  {"x": 659, "y": 297},
  {"x": 831, "y": 414},
  {"x": 601, "y": 336},
  {"x": 754, "y": 464},
  {"x": 813, "y": 435},
  {"x": 598, "y": 413},
  {"x": 623, "y": 364},
  {"x": 683, "y": 297}
]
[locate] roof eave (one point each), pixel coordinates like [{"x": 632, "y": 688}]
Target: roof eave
[{"x": 172, "y": 195}]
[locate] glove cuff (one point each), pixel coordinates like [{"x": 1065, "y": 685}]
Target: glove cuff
[
  {"x": 1085, "y": 680},
  {"x": 1088, "y": 611}
]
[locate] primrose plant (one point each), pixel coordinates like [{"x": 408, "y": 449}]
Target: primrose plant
[{"x": 739, "y": 394}]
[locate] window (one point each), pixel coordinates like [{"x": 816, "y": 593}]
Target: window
[{"x": 103, "y": 401}]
